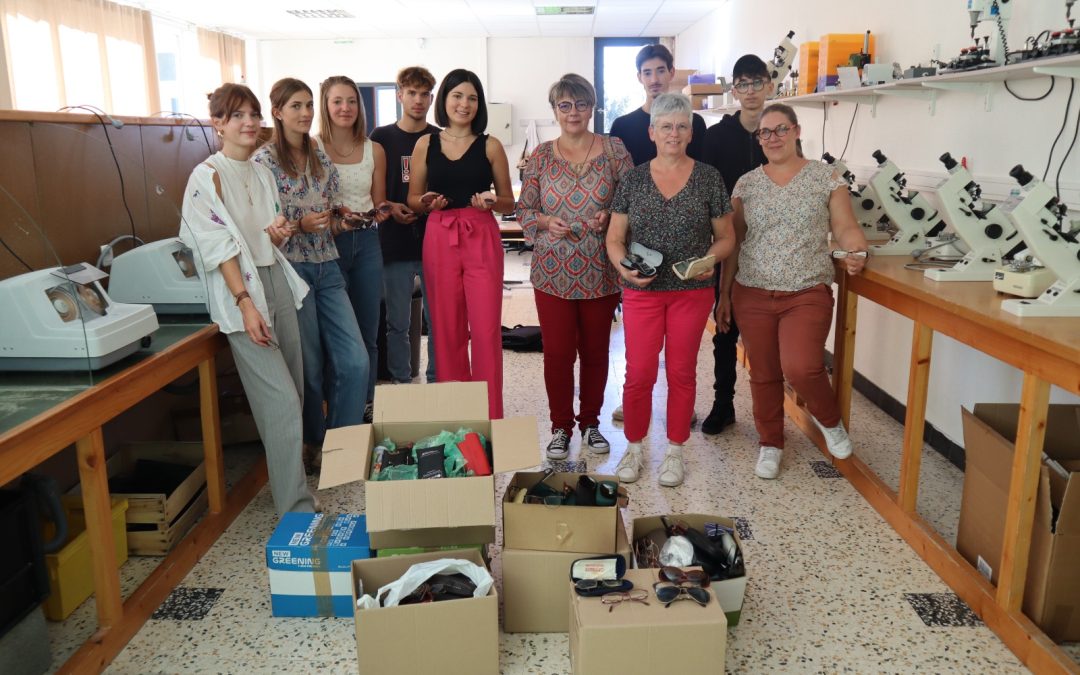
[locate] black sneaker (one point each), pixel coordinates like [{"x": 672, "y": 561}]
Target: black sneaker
[
  {"x": 559, "y": 447},
  {"x": 720, "y": 417},
  {"x": 369, "y": 413},
  {"x": 592, "y": 437}
]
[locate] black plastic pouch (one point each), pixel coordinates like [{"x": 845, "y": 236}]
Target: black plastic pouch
[
  {"x": 429, "y": 462},
  {"x": 593, "y": 577}
]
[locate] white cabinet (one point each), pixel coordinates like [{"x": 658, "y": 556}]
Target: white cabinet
[{"x": 499, "y": 122}]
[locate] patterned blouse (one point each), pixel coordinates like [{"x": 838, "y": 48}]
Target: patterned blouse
[
  {"x": 680, "y": 227},
  {"x": 303, "y": 195},
  {"x": 571, "y": 268},
  {"x": 787, "y": 228}
]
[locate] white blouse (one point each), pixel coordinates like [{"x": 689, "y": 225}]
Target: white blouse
[
  {"x": 249, "y": 202},
  {"x": 355, "y": 179}
]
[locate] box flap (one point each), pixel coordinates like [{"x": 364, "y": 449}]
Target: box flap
[
  {"x": 445, "y": 401},
  {"x": 1068, "y": 520},
  {"x": 346, "y": 452},
  {"x": 986, "y": 450},
  {"x": 515, "y": 443},
  {"x": 433, "y": 503}
]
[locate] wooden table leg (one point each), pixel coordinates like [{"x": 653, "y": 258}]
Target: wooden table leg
[
  {"x": 1023, "y": 489},
  {"x": 211, "y": 434},
  {"x": 844, "y": 347},
  {"x": 915, "y": 418},
  {"x": 97, "y": 507}
]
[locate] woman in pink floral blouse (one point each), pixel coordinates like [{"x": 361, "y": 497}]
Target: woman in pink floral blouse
[{"x": 568, "y": 185}]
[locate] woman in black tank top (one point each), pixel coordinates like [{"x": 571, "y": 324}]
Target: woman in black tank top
[{"x": 459, "y": 177}]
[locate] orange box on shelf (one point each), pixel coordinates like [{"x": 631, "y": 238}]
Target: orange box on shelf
[
  {"x": 808, "y": 67},
  {"x": 835, "y": 50}
]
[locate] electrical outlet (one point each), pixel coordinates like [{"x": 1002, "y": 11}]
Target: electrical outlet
[{"x": 106, "y": 255}]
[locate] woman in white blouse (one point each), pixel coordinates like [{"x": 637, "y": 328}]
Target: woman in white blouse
[
  {"x": 232, "y": 221},
  {"x": 361, "y": 165}
]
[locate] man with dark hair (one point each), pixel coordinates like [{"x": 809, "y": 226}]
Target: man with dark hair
[
  {"x": 402, "y": 238},
  {"x": 656, "y": 69},
  {"x": 733, "y": 150}
]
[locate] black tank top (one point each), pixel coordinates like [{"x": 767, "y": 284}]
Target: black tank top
[{"x": 460, "y": 179}]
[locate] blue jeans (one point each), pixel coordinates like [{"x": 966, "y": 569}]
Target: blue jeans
[
  {"x": 398, "y": 286},
  {"x": 334, "y": 362},
  {"x": 362, "y": 266}
]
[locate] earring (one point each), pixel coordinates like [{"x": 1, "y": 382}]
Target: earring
[{"x": 220, "y": 133}]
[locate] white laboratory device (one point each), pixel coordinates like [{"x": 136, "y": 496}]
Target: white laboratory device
[
  {"x": 782, "y": 61},
  {"x": 908, "y": 213},
  {"x": 162, "y": 274},
  {"x": 864, "y": 202}
]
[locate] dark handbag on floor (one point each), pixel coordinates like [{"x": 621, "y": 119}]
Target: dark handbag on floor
[{"x": 522, "y": 338}]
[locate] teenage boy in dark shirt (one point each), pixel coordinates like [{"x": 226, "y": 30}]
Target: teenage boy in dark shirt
[
  {"x": 656, "y": 69},
  {"x": 402, "y": 237},
  {"x": 732, "y": 149}
]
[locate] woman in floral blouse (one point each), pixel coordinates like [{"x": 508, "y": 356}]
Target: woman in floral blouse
[
  {"x": 307, "y": 182},
  {"x": 781, "y": 281},
  {"x": 568, "y": 185}
]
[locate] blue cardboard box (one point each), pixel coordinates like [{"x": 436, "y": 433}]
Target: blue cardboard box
[{"x": 309, "y": 560}]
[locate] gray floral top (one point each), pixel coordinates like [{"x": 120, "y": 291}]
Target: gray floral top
[
  {"x": 787, "y": 229},
  {"x": 303, "y": 195},
  {"x": 680, "y": 227}
]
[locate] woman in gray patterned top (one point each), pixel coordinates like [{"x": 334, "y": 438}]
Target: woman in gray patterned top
[
  {"x": 781, "y": 282},
  {"x": 679, "y": 208}
]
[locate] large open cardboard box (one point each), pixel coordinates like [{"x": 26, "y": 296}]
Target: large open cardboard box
[
  {"x": 530, "y": 603},
  {"x": 1052, "y": 590},
  {"x": 539, "y": 527},
  {"x": 454, "y": 637},
  {"x": 729, "y": 592},
  {"x": 428, "y": 512},
  {"x": 637, "y": 639}
]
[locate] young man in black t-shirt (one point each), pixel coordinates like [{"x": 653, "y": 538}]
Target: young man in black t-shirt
[
  {"x": 732, "y": 149},
  {"x": 656, "y": 70},
  {"x": 402, "y": 237}
]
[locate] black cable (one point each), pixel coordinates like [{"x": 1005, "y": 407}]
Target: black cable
[
  {"x": 850, "y": 127},
  {"x": 112, "y": 151},
  {"x": 824, "y": 119},
  {"x": 1076, "y": 132},
  {"x": 15, "y": 255},
  {"x": 1053, "y": 81},
  {"x": 1064, "y": 123}
]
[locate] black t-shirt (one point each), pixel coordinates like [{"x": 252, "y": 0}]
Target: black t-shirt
[
  {"x": 400, "y": 242},
  {"x": 459, "y": 179},
  {"x": 633, "y": 130}
]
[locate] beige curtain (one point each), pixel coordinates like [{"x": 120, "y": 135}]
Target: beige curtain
[
  {"x": 228, "y": 52},
  {"x": 73, "y": 52}
]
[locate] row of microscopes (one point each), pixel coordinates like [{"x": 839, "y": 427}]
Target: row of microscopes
[{"x": 1025, "y": 246}]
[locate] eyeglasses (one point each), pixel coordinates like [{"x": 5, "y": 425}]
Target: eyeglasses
[
  {"x": 744, "y": 86},
  {"x": 593, "y": 584},
  {"x": 549, "y": 500},
  {"x": 668, "y": 593},
  {"x": 647, "y": 553},
  {"x": 612, "y": 599},
  {"x": 567, "y": 106},
  {"x": 676, "y": 575},
  {"x": 666, "y": 128},
  {"x": 780, "y": 131}
]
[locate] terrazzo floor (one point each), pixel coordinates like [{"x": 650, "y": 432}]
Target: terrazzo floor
[{"x": 832, "y": 588}]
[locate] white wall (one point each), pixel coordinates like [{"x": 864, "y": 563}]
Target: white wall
[{"x": 1013, "y": 132}]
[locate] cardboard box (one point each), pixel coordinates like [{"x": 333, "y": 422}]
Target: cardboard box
[
  {"x": 539, "y": 527},
  {"x": 309, "y": 559},
  {"x": 1052, "y": 590},
  {"x": 809, "y": 53},
  {"x": 432, "y": 512},
  {"x": 447, "y": 550},
  {"x": 637, "y": 639},
  {"x": 680, "y": 80},
  {"x": 729, "y": 592},
  {"x": 454, "y": 637},
  {"x": 530, "y": 601},
  {"x": 703, "y": 89}
]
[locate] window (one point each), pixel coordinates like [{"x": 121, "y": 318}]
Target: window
[{"x": 617, "y": 88}]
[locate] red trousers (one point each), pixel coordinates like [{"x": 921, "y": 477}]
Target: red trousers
[
  {"x": 573, "y": 329},
  {"x": 463, "y": 276},
  {"x": 673, "y": 321},
  {"x": 784, "y": 335}
]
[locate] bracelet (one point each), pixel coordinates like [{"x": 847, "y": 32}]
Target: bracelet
[{"x": 240, "y": 296}]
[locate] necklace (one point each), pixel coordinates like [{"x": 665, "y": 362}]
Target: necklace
[
  {"x": 577, "y": 167},
  {"x": 444, "y": 131},
  {"x": 344, "y": 154}
]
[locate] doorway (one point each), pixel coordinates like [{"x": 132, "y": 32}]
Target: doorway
[{"x": 615, "y": 78}]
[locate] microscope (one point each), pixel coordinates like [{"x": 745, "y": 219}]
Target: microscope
[
  {"x": 1039, "y": 217},
  {"x": 987, "y": 231},
  {"x": 783, "y": 59},
  {"x": 864, "y": 202},
  {"x": 909, "y": 213}
]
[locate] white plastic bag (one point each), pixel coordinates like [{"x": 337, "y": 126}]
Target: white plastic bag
[{"x": 420, "y": 573}]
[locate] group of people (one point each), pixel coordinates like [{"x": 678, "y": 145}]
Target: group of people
[{"x": 302, "y": 238}]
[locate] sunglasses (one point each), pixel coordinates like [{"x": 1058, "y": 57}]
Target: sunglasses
[
  {"x": 612, "y": 599},
  {"x": 744, "y": 86},
  {"x": 676, "y": 575},
  {"x": 567, "y": 106},
  {"x": 765, "y": 134},
  {"x": 668, "y": 593}
]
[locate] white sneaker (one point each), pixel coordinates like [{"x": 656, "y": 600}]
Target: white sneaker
[
  {"x": 595, "y": 440},
  {"x": 768, "y": 462},
  {"x": 836, "y": 439},
  {"x": 616, "y": 414},
  {"x": 559, "y": 447},
  {"x": 629, "y": 467},
  {"x": 672, "y": 470}
]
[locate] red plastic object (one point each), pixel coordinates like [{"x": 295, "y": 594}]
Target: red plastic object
[{"x": 475, "y": 458}]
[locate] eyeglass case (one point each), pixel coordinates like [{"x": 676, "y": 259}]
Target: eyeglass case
[{"x": 600, "y": 568}]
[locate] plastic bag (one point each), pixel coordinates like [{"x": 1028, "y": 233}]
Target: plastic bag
[
  {"x": 677, "y": 552},
  {"x": 420, "y": 573}
]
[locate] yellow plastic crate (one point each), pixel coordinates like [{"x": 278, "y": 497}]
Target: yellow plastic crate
[{"x": 71, "y": 576}]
